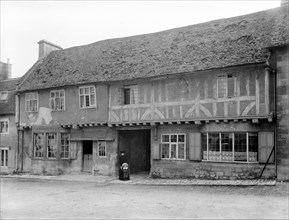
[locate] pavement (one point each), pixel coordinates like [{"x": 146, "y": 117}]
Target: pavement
[{"x": 143, "y": 179}]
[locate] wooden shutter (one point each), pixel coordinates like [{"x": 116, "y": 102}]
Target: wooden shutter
[
  {"x": 156, "y": 151},
  {"x": 195, "y": 147},
  {"x": 73, "y": 150},
  {"x": 266, "y": 143},
  {"x": 11, "y": 158},
  {"x": 120, "y": 99},
  {"x": 231, "y": 86}
]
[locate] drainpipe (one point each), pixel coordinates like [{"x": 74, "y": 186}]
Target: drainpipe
[
  {"x": 22, "y": 150},
  {"x": 18, "y": 130},
  {"x": 275, "y": 119}
]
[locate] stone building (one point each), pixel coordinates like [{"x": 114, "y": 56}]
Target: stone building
[{"x": 204, "y": 101}]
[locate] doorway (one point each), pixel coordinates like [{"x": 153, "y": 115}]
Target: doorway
[
  {"x": 136, "y": 144},
  {"x": 87, "y": 156}
]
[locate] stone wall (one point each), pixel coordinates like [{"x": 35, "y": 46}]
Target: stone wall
[
  {"x": 282, "y": 90},
  {"x": 210, "y": 170}
]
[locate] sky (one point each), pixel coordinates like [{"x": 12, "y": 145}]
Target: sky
[{"x": 75, "y": 23}]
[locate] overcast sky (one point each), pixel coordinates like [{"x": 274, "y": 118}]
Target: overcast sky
[{"x": 74, "y": 23}]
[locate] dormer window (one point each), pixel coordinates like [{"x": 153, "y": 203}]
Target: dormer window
[{"x": 3, "y": 96}]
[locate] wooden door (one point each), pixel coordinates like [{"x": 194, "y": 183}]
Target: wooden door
[{"x": 87, "y": 156}]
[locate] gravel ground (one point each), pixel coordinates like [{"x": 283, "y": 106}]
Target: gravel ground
[{"x": 48, "y": 199}]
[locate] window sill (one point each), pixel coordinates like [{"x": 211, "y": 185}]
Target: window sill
[
  {"x": 81, "y": 108},
  {"x": 234, "y": 162},
  {"x": 169, "y": 159}
]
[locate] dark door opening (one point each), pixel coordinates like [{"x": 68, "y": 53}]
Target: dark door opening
[
  {"x": 136, "y": 144},
  {"x": 87, "y": 156}
]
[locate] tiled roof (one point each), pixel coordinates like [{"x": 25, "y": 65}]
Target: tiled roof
[
  {"x": 8, "y": 107},
  {"x": 220, "y": 43}
]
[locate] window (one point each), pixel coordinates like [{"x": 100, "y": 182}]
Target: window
[
  {"x": 4, "y": 126},
  {"x": 101, "y": 148},
  {"x": 39, "y": 143},
  {"x": 57, "y": 100},
  {"x": 51, "y": 145},
  {"x": 4, "y": 157},
  {"x": 173, "y": 146},
  {"x": 31, "y": 102},
  {"x": 226, "y": 86},
  {"x": 130, "y": 95},
  {"x": 87, "y": 97},
  {"x": 3, "y": 96},
  {"x": 64, "y": 146},
  {"x": 230, "y": 146}
]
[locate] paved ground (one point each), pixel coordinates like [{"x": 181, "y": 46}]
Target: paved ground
[
  {"x": 143, "y": 179},
  {"x": 39, "y": 198}
]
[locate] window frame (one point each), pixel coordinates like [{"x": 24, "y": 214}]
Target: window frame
[
  {"x": 43, "y": 147},
  {"x": 29, "y": 100},
  {"x": 225, "y": 81},
  {"x": 47, "y": 145},
  {"x": 174, "y": 143},
  {"x": 53, "y": 99},
  {"x": 5, "y": 157},
  {"x": 61, "y": 146},
  {"x": 4, "y": 121},
  {"x": 5, "y": 96},
  {"x": 89, "y": 95},
  {"x": 98, "y": 149},
  {"x": 255, "y": 134},
  {"x": 133, "y": 94}
]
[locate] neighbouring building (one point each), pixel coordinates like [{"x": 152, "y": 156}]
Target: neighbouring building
[
  {"x": 5, "y": 70},
  {"x": 204, "y": 101},
  {"x": 8, "y": 130}
]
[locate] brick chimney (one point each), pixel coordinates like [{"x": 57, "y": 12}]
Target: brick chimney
[
  {"x": 5, "y": 70},
  {"x": 45, "y": 47},
  {"x": 284, "y": 3}
]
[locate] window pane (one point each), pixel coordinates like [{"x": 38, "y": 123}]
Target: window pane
[
  {"x": 181, "y": 138},
  {"x": 51, "y": 145},
  {"x": 227, "y": 146},
  {"x": 92, "y": 98},
  {"x": 173, "y": 151},
  {"x": 64, "y": 146},
  {"x": 253, "y": 146},
  {"x": 165, "y": 151},
  {"x": 81, "y": 91},
  {"x": 214, "y": 147},
  {"x": 91, "y": 89},
  {"x": 204, "y": 146},
  {"x": 240, "y": 147},
  {"x": 174, "y": 138},
  {"x": 231, "y": 86},
  {"x": 39, "y": 143},
  {"x": 86, "y": 90},
  {"x": 181, "y": 151},
  {"x": 87, "y": 104},
  {"x": 126, "y": 96},
  {"x": 165, "y": 138},
  {"x": 101, "y": 149}
]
